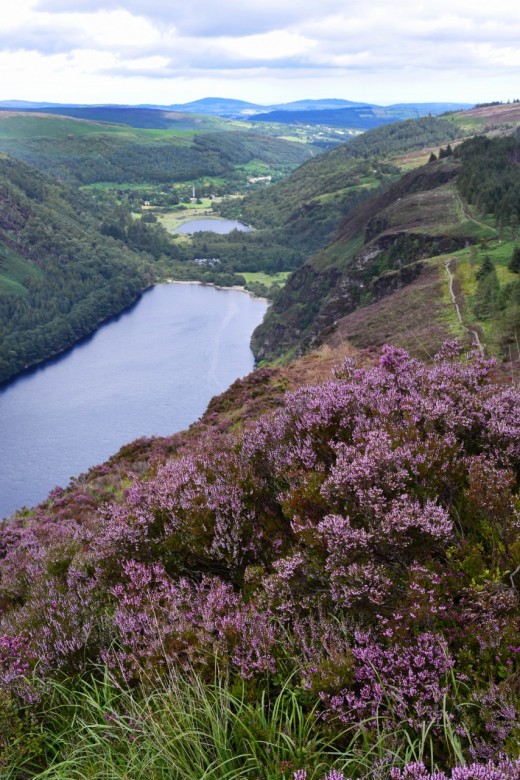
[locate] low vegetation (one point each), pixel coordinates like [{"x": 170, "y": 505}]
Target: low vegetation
[{"x": 341, "y": 578}]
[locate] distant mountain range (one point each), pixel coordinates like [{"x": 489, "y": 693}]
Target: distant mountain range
[
  {"x": 240, "y": 109},
  {"x": 324, "y": 111}
]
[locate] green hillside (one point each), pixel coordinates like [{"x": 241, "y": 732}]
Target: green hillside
[
  {"x": 146, "y": 118},
  {"x": 423, "y": 219},
  {"x": 354, "y": 117},
  {"x": 87, "y": 152},
  {"x": 59, "y": 276},
  {"x": 325, "y": 184},
  {"x": 299, "y": 215},
  {"x": 495, "y": 118}
]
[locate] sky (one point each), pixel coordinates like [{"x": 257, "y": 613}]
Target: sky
[{"x": 263, "y": 51}]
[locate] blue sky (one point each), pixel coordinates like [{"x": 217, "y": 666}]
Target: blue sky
[{"x": 266, "y": 51}]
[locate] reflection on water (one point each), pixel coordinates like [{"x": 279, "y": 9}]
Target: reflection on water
[
  {"x": 152, "y": 371},
  {"x": 214, "y": 225}
]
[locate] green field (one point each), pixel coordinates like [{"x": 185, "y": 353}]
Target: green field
[
  {"x": 267, "y": 279},
  {"x": 15, "y": 271},
  {"x": 29, "y": 125}
]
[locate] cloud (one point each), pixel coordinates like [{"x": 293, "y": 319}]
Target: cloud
[
  {"x": 258, "y": 30},
  {"x": 272, "y": 40},
  {"x": 206, "y": 18},
  {"x": 104, "y": 30}
]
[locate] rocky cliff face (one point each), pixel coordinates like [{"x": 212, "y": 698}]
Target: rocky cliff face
[{"x": 293, "y": 312}]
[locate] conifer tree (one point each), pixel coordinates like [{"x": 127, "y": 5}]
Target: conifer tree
[
  {"x": 514, "y": 263},
  {"x": 488, "y": 289}
]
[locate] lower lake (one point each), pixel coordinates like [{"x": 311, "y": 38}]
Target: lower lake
[
  {"x": 213, "y": 225},
  {"x": 151, "y": 371}
]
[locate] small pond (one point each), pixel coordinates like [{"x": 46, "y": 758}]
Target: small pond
[{"x": 214, "y": 225}]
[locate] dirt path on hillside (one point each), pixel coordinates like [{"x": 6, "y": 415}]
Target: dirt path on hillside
[
  {"x": 474, "y": 333},
  {"x": 469, "y": 216}
]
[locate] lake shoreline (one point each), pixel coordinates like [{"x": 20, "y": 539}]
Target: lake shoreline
[
  {"x": 237, "y": 287},
  {"x": 28, "y": 370},
  {"x": 32, "y": 367},
  {"x": 151, "y": 373},
  {"x": 201, "y": 222}
]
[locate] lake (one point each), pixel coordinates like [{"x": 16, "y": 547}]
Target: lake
[
  {"x": 213, "y": 225},
  {"x": 150, "y": 371}
]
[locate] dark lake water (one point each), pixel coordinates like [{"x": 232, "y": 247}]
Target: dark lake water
[
  {"x": 215, "y": 225},
  {"x": 151, "y": 371}
]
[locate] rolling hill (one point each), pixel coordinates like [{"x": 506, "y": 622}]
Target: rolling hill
[
  {"x": 88, "y": 151},
  {"x": 133, "y": 116},
  {"x": 422, "y": 227},
  {"x": 229, "y": 108},
  {"x": 357, "y": 118}
]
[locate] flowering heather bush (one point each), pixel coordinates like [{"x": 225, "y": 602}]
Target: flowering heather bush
[
  {"x": 162, "y": 621},
  {"x": 365, "y": 535},
  {"x": 13, "y": 660},
  {"x": 503, "y": 770},
  {"x": 411, "y": 674}
]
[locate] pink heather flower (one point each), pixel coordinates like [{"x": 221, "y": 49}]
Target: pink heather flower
[
  {"x": 505, "y": 769},
  {"x": 341, "y": 531}
]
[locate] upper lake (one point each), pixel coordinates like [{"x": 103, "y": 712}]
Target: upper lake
[
  {"x": 213, "y": 225},
  {"x": 151, "y": 371}
]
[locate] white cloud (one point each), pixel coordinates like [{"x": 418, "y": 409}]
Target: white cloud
[
  {"x": 368, "y": 50},
  {"x": 506, "y": 57},
  {"x": 108, "y": 29},
  {"x": 207, "y": 18},
  {"x": 276, "y": 45}
]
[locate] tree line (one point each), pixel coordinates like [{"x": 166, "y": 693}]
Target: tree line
[{"x": 490, "y": 180}]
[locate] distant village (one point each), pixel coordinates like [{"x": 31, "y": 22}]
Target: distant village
[
  {"x": 206, "y": 261},
  {"x": 256, "y": 179}
]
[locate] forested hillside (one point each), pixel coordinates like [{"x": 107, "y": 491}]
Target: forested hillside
[
  {"x": 134, "y": 116},
  {"x": 87, "y": 152},
  {"x": 490, "y": 178},
  {"x": 382, "y": 246},
  {"x": 296, "y": 217},
  {"x": 59, "y": 276},
  {"x": 362, "y": 117},
  {"x": 490, "y": 181}
]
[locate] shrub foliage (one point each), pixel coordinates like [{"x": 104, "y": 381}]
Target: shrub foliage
[{"x": 363, "y": 538}]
